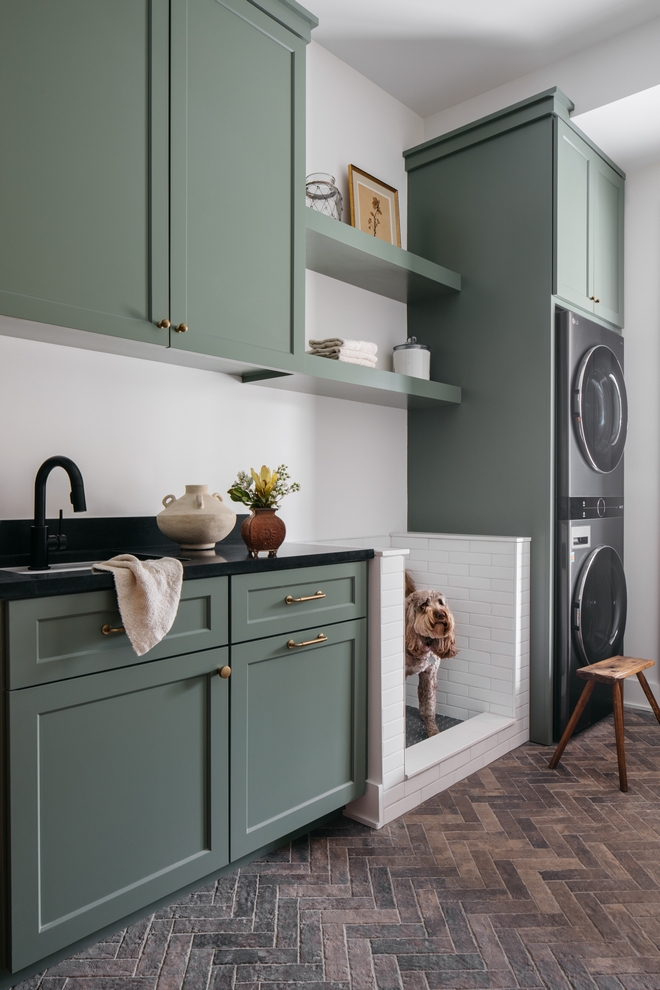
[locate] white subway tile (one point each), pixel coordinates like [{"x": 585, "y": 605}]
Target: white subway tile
[
  {"x": 471, "y": 558},
  {"x": 497, "y": 709},
  {"x": 497, "y": 547},
  {"x": 479, "y": 570},
  {"x": 393, "y": 713},
  {"x": 505, "y": 611},
  {"x": 492, "y": 697},
  {"x": 490, "y": 645},
  {"x": 450, "y": 545},
  {"x": 401, "y": 807},
  {"x": 394, "y": 679},
  {"x": 392, "y": 779},
  {"x": 392, "y": 696},
  {"x": 494, "y": 597},
  {"x": 498, "y": 584},
  {"x": 394, "y": 794},
  {"x": 389, "y": 599},
  {"x": 473, "y": 680},
  {"x": 503, "y": 635}
]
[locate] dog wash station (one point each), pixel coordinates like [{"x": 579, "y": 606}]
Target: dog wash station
[{"x": 486, "y": 582}]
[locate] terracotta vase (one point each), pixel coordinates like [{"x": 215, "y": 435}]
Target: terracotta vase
[{"x": 263, "y": 530}]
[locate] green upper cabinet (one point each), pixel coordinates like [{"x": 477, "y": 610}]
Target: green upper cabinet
[
  {"x": 590, "y": 195},
  {"x": 157, "y": 171},
  {"x": 83, "y": 173},
  {"x": 237, "y": 182}
]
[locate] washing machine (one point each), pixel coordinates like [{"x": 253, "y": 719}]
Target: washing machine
[{"x": 590, "y": 585}]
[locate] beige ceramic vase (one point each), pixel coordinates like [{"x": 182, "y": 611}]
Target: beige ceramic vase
[{"x": 197, "y": 520}]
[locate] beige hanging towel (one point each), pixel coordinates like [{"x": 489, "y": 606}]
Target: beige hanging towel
[{"x": 148, "y": 592}]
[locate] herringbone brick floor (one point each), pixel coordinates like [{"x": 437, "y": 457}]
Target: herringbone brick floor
[{"x": 518, "y": 876}]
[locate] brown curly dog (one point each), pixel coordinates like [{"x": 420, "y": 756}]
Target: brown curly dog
[{"x": 430, "y": 638}]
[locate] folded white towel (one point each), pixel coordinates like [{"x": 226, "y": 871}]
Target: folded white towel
[
  {"x": 364, "y": 361},
  {"x": 148, "y": 592},
  {"x": 350, "y": 357},
  {"x": 364, "y": 346}
]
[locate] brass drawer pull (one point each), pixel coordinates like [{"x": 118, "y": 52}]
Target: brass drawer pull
[
  {"x": 107, "y": 629},
  {"x": 308, "y": 598},
  {"x": 309, "y": 642},
  {"x": 224, "y": 672}
]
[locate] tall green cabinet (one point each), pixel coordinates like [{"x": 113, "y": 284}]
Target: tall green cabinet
[
  {"x": 531, "y": 214},
  {"x": 155, "y": 185}
]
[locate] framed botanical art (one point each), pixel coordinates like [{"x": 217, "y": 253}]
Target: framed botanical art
[{"x": 374, "y": 206}]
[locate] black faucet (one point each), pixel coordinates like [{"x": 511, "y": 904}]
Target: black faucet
[{"x": 40, "y": 541}]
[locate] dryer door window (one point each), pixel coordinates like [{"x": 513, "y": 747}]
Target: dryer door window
[
  {"x": 601, "y": 409},
  {"x": 600, "y": 606}
]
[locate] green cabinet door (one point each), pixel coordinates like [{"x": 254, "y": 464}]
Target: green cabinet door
[
  {"x": 117, "y": 796},
  {"x": 607, "y": 197},
  {"x": 589, "y": 229},
  {"x": 83, "y": 169},
  {"x": 573, "y": 238},
  {"x": 298, "y": 731},
  {"x": 237, "y": 182}
]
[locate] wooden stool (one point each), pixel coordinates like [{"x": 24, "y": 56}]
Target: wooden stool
[{"x": 613, "y": 671}]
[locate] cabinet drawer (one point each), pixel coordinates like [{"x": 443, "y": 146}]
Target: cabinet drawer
[
  {"x": 53, "y": 638},
  {"x": 275, "y": 602}
]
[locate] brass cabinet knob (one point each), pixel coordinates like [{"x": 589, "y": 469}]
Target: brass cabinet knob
[
  {"x": 596, "y": 300},
  {"x": 224, "y": 672},
  {"x": 182, "y": 328},
  {"x": 593, "y": 299},
  {"x": 163, "y": 324}
]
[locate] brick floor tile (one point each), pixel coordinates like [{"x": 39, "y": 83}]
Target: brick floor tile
[{"x": 360, "y": 962}]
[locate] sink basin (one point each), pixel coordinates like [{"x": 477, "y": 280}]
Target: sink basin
[{"x": 78, "y": 565}]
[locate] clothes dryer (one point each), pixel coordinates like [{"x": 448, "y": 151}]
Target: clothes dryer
[{"x": 592, "y": 408}]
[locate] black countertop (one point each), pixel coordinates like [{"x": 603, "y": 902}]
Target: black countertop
[{"x": 141, "y": 536}]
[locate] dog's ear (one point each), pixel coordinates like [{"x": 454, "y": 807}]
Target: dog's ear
[
  {"x": 445, "y": 647},
  {"x": 410, "y": 588}
]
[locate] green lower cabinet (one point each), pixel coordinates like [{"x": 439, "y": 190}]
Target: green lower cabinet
[
  {"x": 117, "y": 795},
  {"x": 298, "y": 730}
]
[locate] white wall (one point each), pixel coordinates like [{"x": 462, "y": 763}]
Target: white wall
[
  {"x": 642, "y": 458},
  {"x": 351, "y": 121},
  {"x": 140, "y": 429},
  {"x": 593, "y": 77}
]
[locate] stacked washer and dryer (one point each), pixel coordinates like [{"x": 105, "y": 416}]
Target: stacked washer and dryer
[{"x": 590, "y": 599}]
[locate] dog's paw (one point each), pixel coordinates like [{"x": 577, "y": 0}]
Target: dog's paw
[{"x": 432, "y": 730}]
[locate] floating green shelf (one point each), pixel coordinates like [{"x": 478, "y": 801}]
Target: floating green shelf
[
  {"x": 338, "y": 380},
  {"x": 347, "y": 254}
]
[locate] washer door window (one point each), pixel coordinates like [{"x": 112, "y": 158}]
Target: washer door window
[
  {"x": 600, "y": 606},
  {"x": 601, "y": 409}
]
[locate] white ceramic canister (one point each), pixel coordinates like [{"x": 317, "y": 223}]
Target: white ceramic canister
[
  {"x": 197, "y": 520},
  {"x": 412, "y": 359}
]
